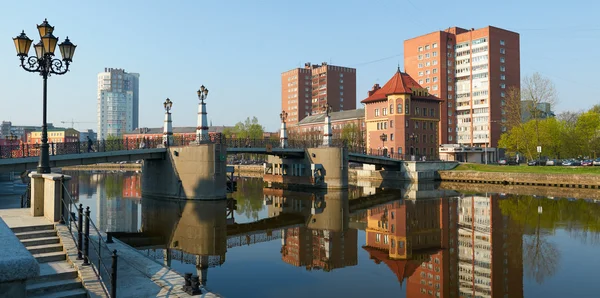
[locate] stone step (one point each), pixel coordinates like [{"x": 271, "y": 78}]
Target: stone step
[
  {"x": 44, "y": 248},
  {"x": 56, "y": 286},
  {"x": 40, "y": 241},
  {"x": 49, "y": 227},
  {"x": 76, "y": 293},
  {"x": 36, "y": 234},
  {"x": 53, "y": 271},
  {"x": 50, "y": 257}
]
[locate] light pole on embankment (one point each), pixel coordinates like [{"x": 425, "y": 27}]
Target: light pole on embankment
[{"x": 44, "y": 63}]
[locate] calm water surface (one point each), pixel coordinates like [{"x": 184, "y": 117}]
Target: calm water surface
[{"x": 410, "y": 242}]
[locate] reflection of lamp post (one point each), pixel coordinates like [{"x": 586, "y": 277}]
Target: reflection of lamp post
[
  {"x": 202, "y": 128},
  {"x": 383, "y": 138},
  {"x": 168, "y": 129},
  {"x": 44, "y": 63}
]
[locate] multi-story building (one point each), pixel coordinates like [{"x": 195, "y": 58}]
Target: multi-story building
[
  {"x": 306, "y": 91},
  {"x": 21, "y": 131},
  {"x": 55, "y": 135},
  {"x": 531, "y": 110},
  {"x": 118, "y": 102},
  {"x": 345, "y": 124},
  {"x": 154, "y": 135},
  {"x": 5, "y": 128},
  {"x": 471, "y": 71},
  {"x": 402, "y": 118}
]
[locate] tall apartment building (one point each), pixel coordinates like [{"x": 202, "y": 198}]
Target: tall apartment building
[
  {"x": 471, "y": 70},
  {"x": 306, "y": 91},
  {"x": 118, "y": 102}
]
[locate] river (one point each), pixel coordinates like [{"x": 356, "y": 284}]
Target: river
[{"x": 408, "y": 241}]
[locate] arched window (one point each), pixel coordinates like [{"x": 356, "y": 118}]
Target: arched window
[
  {"x": 399, "y": 108},
  {"x": 391, "y": 109}
]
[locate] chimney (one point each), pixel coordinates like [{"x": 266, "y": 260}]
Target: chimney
[{"x": 375, "y": 88}]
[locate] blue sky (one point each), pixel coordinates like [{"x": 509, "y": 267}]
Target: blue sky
[{"x": 238, "y": 49}]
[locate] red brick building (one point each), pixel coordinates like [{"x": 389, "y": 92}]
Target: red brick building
[
  {"x": 154, "y": 135},
  {"x": 402, "y": 118},
  {"x": 306, "y": 91},
  {"x": 471, "y": 71}
]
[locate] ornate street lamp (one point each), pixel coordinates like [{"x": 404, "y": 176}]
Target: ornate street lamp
[
  {"x": 413, "y": 136},
  {"x": 44, "y": 63},
  {"x": 202, "y": 128},
  {"x": 168, "y": 105},
  {"x": 383, "y": 138}
]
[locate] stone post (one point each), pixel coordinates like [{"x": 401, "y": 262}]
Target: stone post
[
  {"x": 202, "y": 128},
  {"x": 283, "y": 138},
  {"x": 168, "y": 127},
  {"x": 46, "y": 195},
  {"x": 327, "y": 131}
]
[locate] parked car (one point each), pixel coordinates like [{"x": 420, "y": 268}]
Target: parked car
[
  {"x": 587, "y": 162},
  {"x": 533, "y": 163},
  {"x": 505, "y": 161},
  {"x": 571, "y": 162},
  {"x": 553, "y": 162},
  {"x": 596, "y": 162}
]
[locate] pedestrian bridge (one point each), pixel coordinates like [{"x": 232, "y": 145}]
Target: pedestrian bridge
[{"x": 18, "y": 158}]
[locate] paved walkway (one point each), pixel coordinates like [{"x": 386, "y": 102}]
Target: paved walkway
[{"x": 138, "y": 276}]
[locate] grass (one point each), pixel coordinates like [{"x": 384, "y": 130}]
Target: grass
[{"x": 528, "y": 169}]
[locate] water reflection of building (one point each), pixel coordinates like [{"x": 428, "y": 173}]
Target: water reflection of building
[
  {"x": 324, "y": 242},
  {"x": 449, "y": 247},
  {"x": 115, "y": 214},
  {"x": 190, "y": 231},
  {"x": 132, "y": 187},
  {"x": 489, "y": 250}
]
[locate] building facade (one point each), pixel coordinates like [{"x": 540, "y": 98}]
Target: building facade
[
  {"x": 146, "y": 135},
  {"x": 55, "y": 135},
  {"x": 402, "y": 118},
  {"x": 306, "y": 91},
  {"x": 89, "y": 133},
  {"x": 118, "y": 102},
  {"x": 471, "y": 70},
  {"x": 348, "y": 125}
]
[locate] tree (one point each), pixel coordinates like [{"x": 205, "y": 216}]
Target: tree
[
  {"x": 352, "y": 135},
  {"x": 536, "y": 91}
]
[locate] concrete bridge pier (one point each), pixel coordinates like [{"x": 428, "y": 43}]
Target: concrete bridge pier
[
  {"x": 195, "y": 172},
  {"x": 46, "y": 190},
  {"x": 323, "y": 167}
]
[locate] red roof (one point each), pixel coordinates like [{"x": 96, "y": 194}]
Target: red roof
[
  {"x": 400, "y": 83},
  {"x": 401, "y": 268}
]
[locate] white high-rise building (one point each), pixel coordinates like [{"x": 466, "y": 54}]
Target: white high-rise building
[{"x": 118, "y": 102}]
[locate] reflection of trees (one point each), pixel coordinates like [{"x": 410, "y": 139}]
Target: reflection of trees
[
  {"x": 541, "y": 257},
  {"x": 114, "y": 186},
  {"x": 249, "y": 197}
]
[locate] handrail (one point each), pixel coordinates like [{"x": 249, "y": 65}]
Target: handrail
[
  {"x": 83, "y": 241},
  {"x": 26, "y": 197}
]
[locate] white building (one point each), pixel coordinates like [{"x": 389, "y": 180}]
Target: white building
[{"x": 118, "y": 102}]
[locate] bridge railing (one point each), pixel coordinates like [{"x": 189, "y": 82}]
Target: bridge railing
[{"x": 394, "y": 155}]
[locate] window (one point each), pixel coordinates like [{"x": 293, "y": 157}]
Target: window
[
  {"x": 435, "y": 79},
  {"x": 420, "y": 49},
  {"x": 406, "y": 123},
  {"x": 434, "y": 70},
  {"x": 502, "y": 77},
  {"x": 427, "y": 63},
  {"x": 420, "y": 57},
  {"x": 503, "y": 86},
  {"x": 435, "y": 62},
  {"x": 406, "y": 109},
  {"x": 399, "y": 152},
  {"x": 431, "y": 125},
  {"x": 435, "y": 87},
  {"x": 391, "y": 136},
  {"x": 416, "y": 126},
  {"x": 391, "y": 109},
  {"x": 376, "y": 112},
  {"x": 502, "y": 68},
  {"x": 434, "y": 54},
  {"x": 434, "y": 45},
  {"x": 427, "y": 55},
  {"x": 502, "y": 51},
  {"x": 426, "y": 47},
  {"x": 502, "y": 94},
  {"x": 342, "y": 87},
  {"x": 420, "y": 82},
  {"x": 432, "y": 112},
  {"x": 378, "y": 238},
  {"x": 431, "y": 139},
  {"x": 424, "y": 111},
  {"x": 427, "y": 80},
  {"x": 399, "y": 108},
  {"x": 420, "y": 65},
  {"x": 417, "y": 111},
  {"x": 502, "y": 60},
  {"x": 502, "y": 42},
  {"x": 420, "y": 73},
  {"x": 427, "y": 72},
  {"x": 391, "y": 123},
  {"x": 384, "y": 111}
]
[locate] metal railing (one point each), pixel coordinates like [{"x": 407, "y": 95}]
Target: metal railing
[
  {"x": 26, "y": 197},
  {"x": 102, "y": 257}
]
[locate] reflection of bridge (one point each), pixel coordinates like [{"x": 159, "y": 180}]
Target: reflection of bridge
[{"x": 22, "y": 157}]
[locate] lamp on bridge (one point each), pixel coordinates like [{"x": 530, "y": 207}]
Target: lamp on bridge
[
  {"x": 413, "y": 136},
  {"x": 168, "y": 129},
  {"x": 383, "y": 138},
  {"x": 202, "y": 128},
  {"x": 44, "y": 63}
]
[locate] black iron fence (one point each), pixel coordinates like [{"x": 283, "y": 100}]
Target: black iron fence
[
  {"x": 131, "y": 143},
  {"x": 102, "y": 260}
]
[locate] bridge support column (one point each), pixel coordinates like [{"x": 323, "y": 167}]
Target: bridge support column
[
  {"x": 197, "y": 172},
  {"x": 168, "y": 130},
  {"x": 334, "y": 161},
  {"x": 46, "y": 192},
  {"x": 202, "y": 128}
]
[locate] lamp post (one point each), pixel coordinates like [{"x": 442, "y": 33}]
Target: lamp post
[
  {"x": 168, "y": 128},
  {"x": 383, "y": 138},
  {"x": 413, "y": 136},
  {"x": 202, "y": 128},
  {"x": 283, "y": 139},
  {"x": 44, "y": 63}
]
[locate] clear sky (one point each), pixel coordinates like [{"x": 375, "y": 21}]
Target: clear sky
[{"x": 238, "y": 49}]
